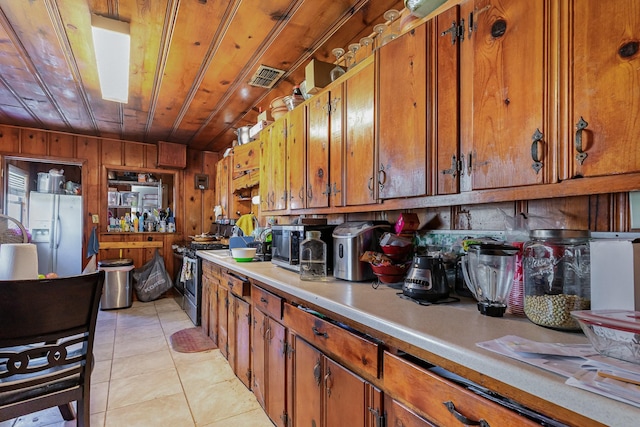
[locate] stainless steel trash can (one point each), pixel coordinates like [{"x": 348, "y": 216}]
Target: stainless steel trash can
[{"x": 117, "y": 291}]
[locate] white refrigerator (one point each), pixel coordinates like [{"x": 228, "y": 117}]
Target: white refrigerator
[{"x": 55, "y": 223}]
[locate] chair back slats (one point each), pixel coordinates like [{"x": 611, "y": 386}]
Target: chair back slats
[{"x": 46, "y": 343}]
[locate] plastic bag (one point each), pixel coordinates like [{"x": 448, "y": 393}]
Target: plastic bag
[{"x": 152, "y": 279}]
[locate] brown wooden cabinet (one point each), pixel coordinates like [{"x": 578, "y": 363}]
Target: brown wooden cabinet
[
  {"x": 323, "y": 392},
  {"x": 274, "y": 191},
  {"x": 245, "y": 176},
  {"x": 171, "y": 155},
  {"x": 409, "y": 383},
  {"x": 402, "y": 115},
  {"x": 296, "y": 157},
  {"x": 505, "y": 54},
  {"x": 604, "y": 81},
  {"x": 396, "y": 414},
  {"x": 326, "y": 370},
  {"x": 445, "y": 101},
  {"x": 359, "y": 126},
  {"x": 210, "y": 305},
  {"x": 223, "y": 187},
  {"x": 239, "y": 329},
  {"x": 223, "y": 321},
  {"x": 268, "y": 355}
]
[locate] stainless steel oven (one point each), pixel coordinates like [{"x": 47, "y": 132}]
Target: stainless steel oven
[{"x": 192, "y": 276}]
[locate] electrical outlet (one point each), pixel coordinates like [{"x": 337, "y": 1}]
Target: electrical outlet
[
  {"x": 634, "y": 202},
  {"x": 95, "y": 219}
]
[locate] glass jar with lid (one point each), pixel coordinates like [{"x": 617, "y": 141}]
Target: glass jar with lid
[
  {"x": 313, "y": 257},
  {"x": 557, "y": 277}
]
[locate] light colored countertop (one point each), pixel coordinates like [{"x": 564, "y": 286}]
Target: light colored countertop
[{"x": 450, "y": 331}]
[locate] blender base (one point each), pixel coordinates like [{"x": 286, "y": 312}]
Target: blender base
[{"x": 491, "y": 310}]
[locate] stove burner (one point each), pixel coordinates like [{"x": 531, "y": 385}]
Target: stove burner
[{"x": 425, "y": 302}]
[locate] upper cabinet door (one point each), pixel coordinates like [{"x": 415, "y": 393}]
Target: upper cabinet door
[
  {"x": 402, "y": 113},
  {"x": 605, "y": 107},
  {"x": 318, "y": 147},
  {"x": 446, "y": 132},
  {"x": 296, "y": 157},
  {"x": 360, "y": 153},
  {"x": 508, "y": 54}
]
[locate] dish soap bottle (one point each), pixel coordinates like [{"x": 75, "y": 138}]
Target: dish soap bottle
[{"x": 313, "y": 258}]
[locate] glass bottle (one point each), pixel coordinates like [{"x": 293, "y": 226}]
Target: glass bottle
[
  {"x": 557, "y": 277},
  {"x": 313, "y": 257}
]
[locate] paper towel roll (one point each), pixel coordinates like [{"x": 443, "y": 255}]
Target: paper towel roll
[{"x": 18, "y": 261}]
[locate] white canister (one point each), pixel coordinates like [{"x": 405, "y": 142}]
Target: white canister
[{"x": 162, "y": 226}]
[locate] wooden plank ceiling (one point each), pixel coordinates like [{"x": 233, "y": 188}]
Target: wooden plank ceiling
[{"x": 191, "y": 61}]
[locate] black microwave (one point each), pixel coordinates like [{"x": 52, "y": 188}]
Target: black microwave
[{"x": 286, "y": 239}]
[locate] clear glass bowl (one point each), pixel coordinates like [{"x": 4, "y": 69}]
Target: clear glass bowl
[{"x": 613, "y": 333}]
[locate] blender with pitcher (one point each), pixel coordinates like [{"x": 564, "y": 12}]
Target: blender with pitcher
[{"x": 488, "y": 272}]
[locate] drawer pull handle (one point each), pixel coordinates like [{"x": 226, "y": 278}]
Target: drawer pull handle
[
  {"x": 319, "y": 333},
  {"x": 263, "y": 300},
  {"x": 464, "y": 420}
]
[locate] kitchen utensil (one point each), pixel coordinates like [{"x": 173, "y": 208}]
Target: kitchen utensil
[
  {"x": 243, "y": 134},
  {"x": 44, "y": 183},
  {"x": 426, "y": 279},
  {"x": 488, "y": 271}
]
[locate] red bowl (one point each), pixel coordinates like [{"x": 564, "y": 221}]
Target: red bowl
[
  {"x": 385, "y": 278},
  {"x": 390, "y": 270},
  {"x": 397, "y": 253}
]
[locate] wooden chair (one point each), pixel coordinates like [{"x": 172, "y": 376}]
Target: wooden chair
[{"x": 47, "y": 329}]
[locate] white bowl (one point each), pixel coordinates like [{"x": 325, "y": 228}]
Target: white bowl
[{"x": 243, "y": 254}]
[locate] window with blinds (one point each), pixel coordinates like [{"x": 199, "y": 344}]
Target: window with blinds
[{"x": 17, "y": 186}]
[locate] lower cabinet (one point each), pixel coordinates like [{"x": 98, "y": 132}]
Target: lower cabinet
[
  {"x": 324, "y": 388},
  {"x": 268, "y": 354},
  {"x": 449, "y": 403},
  {"x": 226, "y": 317},
  {"x": 398, "y": 415},
  {"x": 324, "y": 393},
  {"x": 307, "y": 370},
  {"x": 209, "y": 314},
  {"x": 268, "y": 366}
]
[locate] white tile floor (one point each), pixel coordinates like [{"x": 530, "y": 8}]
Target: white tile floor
[{"x": 138, "y": 380}]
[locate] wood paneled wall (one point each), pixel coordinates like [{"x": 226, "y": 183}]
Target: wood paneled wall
[{"x": 194, "y": 207}]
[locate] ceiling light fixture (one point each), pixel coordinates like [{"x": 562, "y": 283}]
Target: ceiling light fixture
[{"x": 111, "y": 42}]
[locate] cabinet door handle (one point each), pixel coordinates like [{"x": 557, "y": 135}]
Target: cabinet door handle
[
  {"x": 580, "y": 126},
  {"x": 464, "y": 420},
  {"x": 319, "y": 333},
  {"x": 536, "y": 140},
  {"x": 263, "y": 300},
  {"x": 328, "y": 382}
]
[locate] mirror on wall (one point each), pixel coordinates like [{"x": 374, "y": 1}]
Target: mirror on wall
[{"x": 46, "y": 198}]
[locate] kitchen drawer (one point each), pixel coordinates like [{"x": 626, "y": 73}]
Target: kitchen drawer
[
  {"x": 348, "y": 348},
  {"x": 246, "y": 180},
  {"x": 429, "y": 394},
  {"x": 246, "y": 156},
  {"x": 237, "y": 285},
  {"x": 267, "y": 302}
]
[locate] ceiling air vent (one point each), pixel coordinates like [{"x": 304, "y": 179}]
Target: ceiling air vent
[{"x": 265, "y": 77}]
